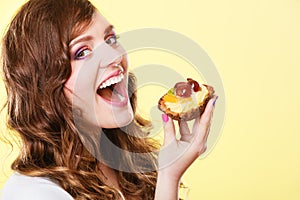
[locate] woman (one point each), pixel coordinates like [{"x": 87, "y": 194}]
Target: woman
[{"x": 72, "y": 102}]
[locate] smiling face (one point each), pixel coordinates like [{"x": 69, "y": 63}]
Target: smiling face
[{"x": 98, "y": 83}]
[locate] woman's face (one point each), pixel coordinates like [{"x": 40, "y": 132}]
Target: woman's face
[{"x": 98, "y": 83}]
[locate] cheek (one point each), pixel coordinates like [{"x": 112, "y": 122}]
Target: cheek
[
  {"x": 124, "y": 62},
  {"x": 71, "y": 82}
]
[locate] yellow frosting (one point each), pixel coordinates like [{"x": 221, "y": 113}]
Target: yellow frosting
[{"x": 186, "y": 104}]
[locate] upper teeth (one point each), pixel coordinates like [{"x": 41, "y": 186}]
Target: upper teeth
[{"x": 111, "y": 81}]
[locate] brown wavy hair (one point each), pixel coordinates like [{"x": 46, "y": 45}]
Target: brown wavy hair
[{"x": 36, "y": 65}]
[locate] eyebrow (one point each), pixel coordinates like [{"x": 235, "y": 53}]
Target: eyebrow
[
  {"x": 108, "y": 29},
  {"x": 75, "y": 41},
  {"x": 88, "y": 37}
]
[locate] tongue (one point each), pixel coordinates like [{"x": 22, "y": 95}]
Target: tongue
[{"x": 110, "y": 94}]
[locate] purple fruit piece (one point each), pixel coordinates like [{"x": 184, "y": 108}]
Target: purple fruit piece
[{"x": 183, "y": 89}]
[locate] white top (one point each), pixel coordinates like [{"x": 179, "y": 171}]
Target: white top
[{"x": 20, "y": 187}]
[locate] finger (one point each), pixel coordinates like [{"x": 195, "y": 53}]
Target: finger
[
  {"x": 183, "y": 127},
  {"x": 184, "y": 131},
  {"x": 169, "y": 129},
  {"x": 205, "y": 118},
  {"x": 202, "y": 123},
  {"x": 207, "y": 134}
]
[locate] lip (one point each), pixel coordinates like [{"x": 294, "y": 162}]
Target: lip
[
  {"x": 114, "y": 73},
  {"x": 120, "y": 88}
]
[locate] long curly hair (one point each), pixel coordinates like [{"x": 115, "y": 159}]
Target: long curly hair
[{"x": 36, "y": 65}]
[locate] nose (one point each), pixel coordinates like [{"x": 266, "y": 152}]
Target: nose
[
  {"x": 110, "y": 56},
  {"x": 117, "y": 61}
]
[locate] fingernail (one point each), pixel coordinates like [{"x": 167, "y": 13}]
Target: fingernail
[
  {"x": 165, "y": 118},
  {"x": 215, "y": 100}
]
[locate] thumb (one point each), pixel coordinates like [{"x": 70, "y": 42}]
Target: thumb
[{"x": 169, "y": 129}]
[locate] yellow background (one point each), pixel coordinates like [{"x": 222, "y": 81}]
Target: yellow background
[{"x": 255, "y": 46}]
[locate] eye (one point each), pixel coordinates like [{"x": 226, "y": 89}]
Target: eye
[
  {"x": 112, "y": 39},
  {"x": 82, "y": 53}
]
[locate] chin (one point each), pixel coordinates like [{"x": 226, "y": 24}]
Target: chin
[{"x": 119, "y": 118}]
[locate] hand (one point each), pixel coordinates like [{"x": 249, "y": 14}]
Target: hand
[{"x": 177, "y": 155}]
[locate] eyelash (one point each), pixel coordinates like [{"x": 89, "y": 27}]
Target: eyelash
[
  {"x": 80, "y": 51},
  {"x": 108, "y": 41}
]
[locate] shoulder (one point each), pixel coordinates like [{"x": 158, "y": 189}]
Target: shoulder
[{"x": 32, "y": 188}]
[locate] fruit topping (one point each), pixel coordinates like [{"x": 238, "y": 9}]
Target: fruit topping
[
  {"x": 171, "y": 91},
  {"x": 183, "y": 89},
  {"x": 170, "y": 98},
  {"x": 194, "y": 84}
]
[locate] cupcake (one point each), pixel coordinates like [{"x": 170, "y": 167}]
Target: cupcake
[{"x": 186, "y": 100}]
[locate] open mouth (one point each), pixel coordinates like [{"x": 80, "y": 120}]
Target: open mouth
[{"x": 113, "y": 89}]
